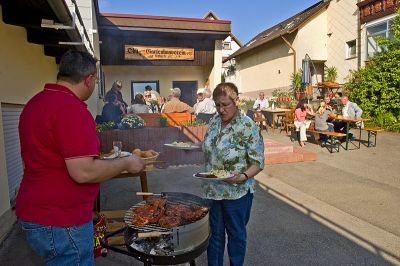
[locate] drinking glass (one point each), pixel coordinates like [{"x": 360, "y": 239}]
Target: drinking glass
[{"x": 117, "y": 147}]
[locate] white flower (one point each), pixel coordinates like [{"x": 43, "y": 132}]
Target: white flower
[{"x": 132, "y": 121}]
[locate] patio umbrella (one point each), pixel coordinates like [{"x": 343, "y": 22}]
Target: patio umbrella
[{"x": 306, "y": 76}]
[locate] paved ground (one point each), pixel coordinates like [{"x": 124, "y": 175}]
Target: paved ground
[{"x": 340, "y": 210}]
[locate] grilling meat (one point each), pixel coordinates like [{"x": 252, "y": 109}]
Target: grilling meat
[
  {"x": 157, "y": 211},
  {"x": 169, "y": 221}
]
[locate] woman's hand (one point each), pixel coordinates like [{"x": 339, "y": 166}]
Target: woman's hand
[{"x": 238, "y": 178}]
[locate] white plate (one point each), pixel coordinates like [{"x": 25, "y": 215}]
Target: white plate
[
  {"x": 208, "y": 178},
  {"x": 114, "y": 155},
  {"x": 192, "y": 147}
]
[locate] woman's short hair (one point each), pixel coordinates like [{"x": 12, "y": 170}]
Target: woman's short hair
[{"x": 226, "y": 89}]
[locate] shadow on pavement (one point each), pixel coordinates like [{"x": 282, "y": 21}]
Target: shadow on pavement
[{"x": 278, "y": 234}]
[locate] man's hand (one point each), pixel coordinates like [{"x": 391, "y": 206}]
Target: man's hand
[{"x": 135, "y": 164}]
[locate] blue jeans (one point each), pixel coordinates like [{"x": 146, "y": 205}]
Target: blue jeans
[
  {"x": 324, "y": 138},
  {"x": 61, "y": 245},
  {"x": 231, "y": 216}
]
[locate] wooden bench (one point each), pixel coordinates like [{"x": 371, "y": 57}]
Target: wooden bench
[
  {"x": 334, "y": 144},
  {"x": 372, "y": 132}
]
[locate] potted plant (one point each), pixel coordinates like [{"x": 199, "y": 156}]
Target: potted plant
[
  {"x": 297, "y": 89},
  {"x": 132, "y": 121},
  {"x": 195, "y": 130},
  {"x": 331, "y": 74}
]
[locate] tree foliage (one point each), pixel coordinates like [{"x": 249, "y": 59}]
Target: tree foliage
[{"x": 376, "y": 87}]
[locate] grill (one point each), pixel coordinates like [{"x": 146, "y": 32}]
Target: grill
[{"x": 172, "y": 246}]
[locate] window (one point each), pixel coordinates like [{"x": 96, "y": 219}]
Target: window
[
  {"x": 351, "y": 49},
  {"x": 382, "y": 29},
  {"x": 226, "y": 46}
]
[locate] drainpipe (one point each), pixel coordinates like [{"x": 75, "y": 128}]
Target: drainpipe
[
  {"x": 358, "y": 38},
  {"x": 294, "y": 53}
]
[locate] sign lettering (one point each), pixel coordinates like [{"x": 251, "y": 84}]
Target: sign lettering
[{"x": 134, "y": 52}]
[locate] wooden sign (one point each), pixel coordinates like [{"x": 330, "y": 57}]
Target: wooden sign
[{"x": 135, "y": 52}]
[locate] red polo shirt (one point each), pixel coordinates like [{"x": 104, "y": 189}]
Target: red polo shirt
[{"x": 55, "y": 126}]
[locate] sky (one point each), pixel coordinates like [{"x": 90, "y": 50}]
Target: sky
[{"x": 248, "y": 17}]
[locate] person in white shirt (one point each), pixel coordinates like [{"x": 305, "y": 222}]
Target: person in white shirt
[
  {"x": 261, "y": 102},
  {"x": 204, "y": 104},
  {"x": 351, "y": 110},
  {"x": 205, "y": 107}
]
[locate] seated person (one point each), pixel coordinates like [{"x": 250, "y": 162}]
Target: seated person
[
  {"x": 321, "y": 124},
  {"x": 138, "y": 105},
  {"x": 152, "y": 102},
  {"x": 351, "y": 110},
  {"x": 112, "y": 110},
  {"x": 261, "y": 102},
  {"x": 175, "y": 105},
  {"x": 205, "y": 107},
  {"x": 300, "y": 121}
]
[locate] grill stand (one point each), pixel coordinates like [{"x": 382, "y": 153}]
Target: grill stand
[{"x": 148, "y": 259}]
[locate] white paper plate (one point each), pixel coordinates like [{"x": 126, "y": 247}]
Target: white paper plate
[
  {"x": 114, "y": 155},
  {"x": 208, "y": 178},
  {"x": 192, "y": 147}
]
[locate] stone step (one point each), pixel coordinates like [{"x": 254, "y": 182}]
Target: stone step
[
  {"x": 298, "y": 155},
  {"x": 274, "y": 147}
]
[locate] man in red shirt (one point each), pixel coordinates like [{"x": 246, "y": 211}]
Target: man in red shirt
[{"x": 62, "y": 172}]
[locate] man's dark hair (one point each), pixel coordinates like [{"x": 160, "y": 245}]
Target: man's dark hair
[
  {"x": 75, "y": 66},
  {"x": 148, "y": 88}
]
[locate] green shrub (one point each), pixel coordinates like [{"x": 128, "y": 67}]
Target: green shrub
[
  {"x": 105, "y": 126},
  {"x": 376, "y": 87},
  {"x": 163, "y": 121}
]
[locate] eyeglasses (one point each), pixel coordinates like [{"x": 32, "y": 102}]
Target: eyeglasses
[
  {"x": 224, "y": 106},
  {"x": 147, "y": 96}
]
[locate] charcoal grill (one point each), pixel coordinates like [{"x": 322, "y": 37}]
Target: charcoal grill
[{"x": 176, "y": 245}]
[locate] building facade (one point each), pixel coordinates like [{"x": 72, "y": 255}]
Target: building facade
[
  {"x": 34, "y": 35},
  {"x": 336, "y": 34},
  {"x": 161, "y": 52}
]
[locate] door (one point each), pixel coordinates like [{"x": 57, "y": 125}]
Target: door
[
  {"x": 188, "y": 91},
  {"x": 11, "y": 114},
  {"x": 139, "y": 86}
]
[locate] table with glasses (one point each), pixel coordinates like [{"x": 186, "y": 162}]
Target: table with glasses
[
  {"x": 348, "y": 121},
  {"x": 273, "y": 113}
]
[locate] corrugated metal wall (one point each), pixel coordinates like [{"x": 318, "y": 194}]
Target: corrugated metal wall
[{"x": 11, "y": 114}]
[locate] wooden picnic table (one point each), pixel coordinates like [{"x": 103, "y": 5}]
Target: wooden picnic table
[
  {"x": 348, "y": 121},
  {"x": 273, "y": 113}
]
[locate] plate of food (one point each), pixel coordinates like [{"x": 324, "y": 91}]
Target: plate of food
[
  {"x": 182, "y": 145},
  {"x": 214, "y": 175},
  {"x": 113, "y": 155}
]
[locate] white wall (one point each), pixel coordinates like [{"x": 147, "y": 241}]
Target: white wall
[
  {"x": 311, "y": 39},
  {"x": 342, "y": 23},
  {"x": 23, "y": 71},
  {"x": 215, "y": 75},
  {"x": 265, "y": 68}
]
